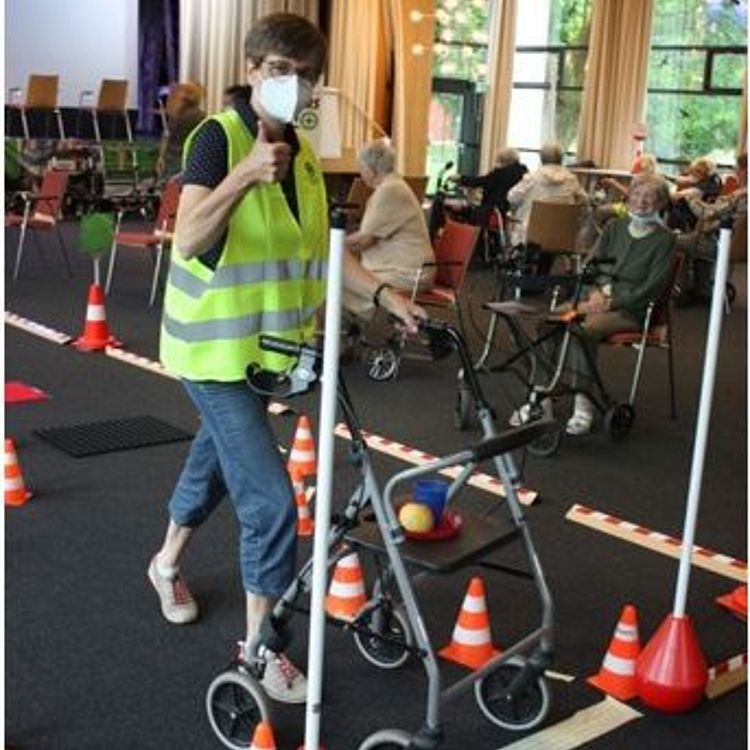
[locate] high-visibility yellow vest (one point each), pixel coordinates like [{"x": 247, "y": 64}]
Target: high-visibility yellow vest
[{"x": 270, "y": 278}]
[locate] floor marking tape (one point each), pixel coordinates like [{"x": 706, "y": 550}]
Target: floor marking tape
[
  {"x": 417, "y": 457},
  {"x": 582, "y": 727},
  {"x": 37, "y": 328},
  {"x": 722, "y": 565},
  {"x": 726, "y": 676}
]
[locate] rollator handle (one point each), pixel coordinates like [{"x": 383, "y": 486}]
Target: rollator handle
[
  {"x": 510, "y": 440},
  {"x": 280, "y": 346}
]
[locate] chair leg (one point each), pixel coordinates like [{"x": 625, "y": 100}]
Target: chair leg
[
  {"x": 111, "y": 267},
  {"x": 24, "y": 124},
  {"x": 157, "y": 269},
  {"x": 63, "y": 251},
  {"x": 60, "y": 128},
  {"x": 670, "y": 368},
  {"x": 19, "y": 251}
]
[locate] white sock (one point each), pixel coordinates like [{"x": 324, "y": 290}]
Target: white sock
[
  {"x": 166, "y": 571},
  {"x": 583, "y": 405}
]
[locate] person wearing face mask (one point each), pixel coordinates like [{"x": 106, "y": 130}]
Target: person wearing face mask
[
  {"x": 249, "y": 258},
  {"x": 639, "y": 250}
]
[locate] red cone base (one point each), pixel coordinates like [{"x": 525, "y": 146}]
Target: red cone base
[{"x": 671, "y": 672}]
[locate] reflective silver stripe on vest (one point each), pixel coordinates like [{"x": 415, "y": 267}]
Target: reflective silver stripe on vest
[
  {"x": 237, "y": 328},
  {"x": 247, "y": 273}
]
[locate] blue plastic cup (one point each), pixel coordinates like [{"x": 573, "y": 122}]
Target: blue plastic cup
[{"x": 433, "y": 493}]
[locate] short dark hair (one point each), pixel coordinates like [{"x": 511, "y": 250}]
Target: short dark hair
[
  {"x": 238, "y": 91},
  {"x": 288, "y": 35}
]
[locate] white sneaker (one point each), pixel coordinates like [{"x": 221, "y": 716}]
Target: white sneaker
[
  {"x": 521, "y": 415},
  {"x": 282, "y": 681},
  {"x": 580, "y": 423},
  {"x": 176, "y": 601}
]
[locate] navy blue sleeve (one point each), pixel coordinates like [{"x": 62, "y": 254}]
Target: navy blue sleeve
[
  {"x": 207, "y": 162},
  {"x": 207, "y": 166}
]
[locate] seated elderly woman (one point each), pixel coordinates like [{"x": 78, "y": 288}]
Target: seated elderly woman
[
  {"x": 392, "y": 241},
  {"x": 640, "y": 248}
]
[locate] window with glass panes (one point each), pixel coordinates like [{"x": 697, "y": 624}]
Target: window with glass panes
[
  {"x": 548, "y": 69},
  {"x": 696, "y": 71}
]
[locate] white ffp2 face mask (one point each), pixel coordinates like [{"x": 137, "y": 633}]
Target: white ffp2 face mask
[{"x": 284, "y": 97}]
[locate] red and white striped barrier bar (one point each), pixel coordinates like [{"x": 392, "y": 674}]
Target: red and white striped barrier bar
[
  {"x": 726, "y": 676},
  {"x": 37, "y": 328},
  {"x": 722, "y": 565},
  {"x": 413, "y": 456},
  {"x": 138, "y": 361}
]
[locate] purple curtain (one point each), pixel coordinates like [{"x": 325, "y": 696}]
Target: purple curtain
[{"x": 158, "y": 52}]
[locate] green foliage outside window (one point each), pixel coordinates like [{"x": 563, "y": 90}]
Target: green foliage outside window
[{"x": 683, "y": 125}]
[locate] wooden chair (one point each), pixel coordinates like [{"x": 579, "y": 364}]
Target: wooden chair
[
  {"x": 113, "y": 100},
  {"x": 554, "y": 227},
  {"x": 655, "y": 333},
  {"x": 156, "y": 240},
  {"x": 41, "y": 212},
  {"x": 41, "y": 94}
]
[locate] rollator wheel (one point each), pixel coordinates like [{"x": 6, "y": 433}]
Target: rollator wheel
[
  {"x": 386, "y": 739},
  {"x": 525, "y": 710},
  {"x": 236, "y": 704},
  {"x": 387, "y": 640},
  {"x": 619, "y": 421},
  {"x": 382, "y": 363},
  {"x": 462, "y": 411},
  {"x": 546, "y": 445}
]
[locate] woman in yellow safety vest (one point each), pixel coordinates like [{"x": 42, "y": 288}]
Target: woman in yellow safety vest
[{"x": 249, "y": 257}]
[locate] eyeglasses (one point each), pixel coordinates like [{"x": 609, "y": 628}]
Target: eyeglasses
[{"x": 281, "y": 68}]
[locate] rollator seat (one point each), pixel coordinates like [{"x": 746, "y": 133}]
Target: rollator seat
[{"x": 479, "y": 536}]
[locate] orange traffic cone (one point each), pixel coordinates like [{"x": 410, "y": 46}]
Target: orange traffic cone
[
  {"x": 305, "y": 524},
  {"x": 346, "y": 594},
  {"x": 263, "y": 738},
  {"x": 302, "y": 455},
  {"x": 735, "y": 601},
  {"x": 15, "y": 489},
  {"x": 617, "y": 675},
  {"x": 96, "y": 334},
  {"x": 471, "y": 644}
]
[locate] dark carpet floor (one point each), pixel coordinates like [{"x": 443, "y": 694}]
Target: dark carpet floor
[{"x": 90, "y": 664}]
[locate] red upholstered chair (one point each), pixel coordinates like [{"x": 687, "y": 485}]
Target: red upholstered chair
[
  {"x": 453, "y": 248},
  {"x": 41, "y": 213},
  {"x": 154, "y": 240},
  {"x": 655, "y": 333}
]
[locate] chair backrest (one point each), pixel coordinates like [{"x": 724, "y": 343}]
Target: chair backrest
[
  {"x": 41, "y": 92},
  {"x": 170, "y": 200},
  {"x": 660, "y": 314},
  {"x": 53, "y": 188},
  {"x": 113, "y": 95},
  {"x": 554, "y": 226},
  {"x": 454, "y": 246}
]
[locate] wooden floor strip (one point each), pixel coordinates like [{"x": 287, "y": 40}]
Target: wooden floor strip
[{"x": 582, "y": 727}]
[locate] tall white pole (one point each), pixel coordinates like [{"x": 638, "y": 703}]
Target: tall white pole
[
  {"x": 324, "y": 488},
  {"x": 704, "y": 417}
]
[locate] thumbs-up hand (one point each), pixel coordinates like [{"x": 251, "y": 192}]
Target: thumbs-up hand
[{"x": 268, "y": 161}]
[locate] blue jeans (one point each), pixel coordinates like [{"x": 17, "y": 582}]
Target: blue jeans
[{"x": 235, "y": 453}]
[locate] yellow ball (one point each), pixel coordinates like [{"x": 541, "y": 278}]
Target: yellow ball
[{"x": 416, "y": 517}]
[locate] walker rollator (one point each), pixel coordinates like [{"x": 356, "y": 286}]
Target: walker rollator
[
  {"x": 510, "y": 688},
  {"x": 544, "y": 355}
]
